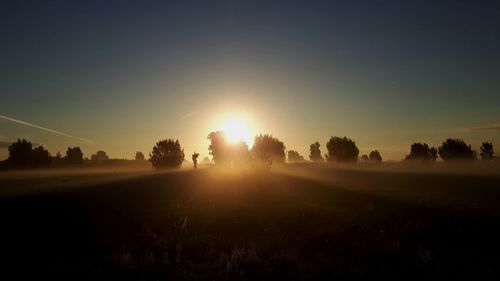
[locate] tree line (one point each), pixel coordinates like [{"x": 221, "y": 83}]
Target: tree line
[
  {"x": 22, "y": 154},
  {"x": 266, "y": 151}
]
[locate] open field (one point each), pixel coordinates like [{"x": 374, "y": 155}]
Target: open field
[{"x": 297, "y": 222}]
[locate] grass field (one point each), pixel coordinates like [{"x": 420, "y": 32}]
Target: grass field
[{"x": 297, "y": 222}]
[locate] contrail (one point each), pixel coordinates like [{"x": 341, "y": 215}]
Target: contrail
[
  {"x": 45, "y": 129},
  {"x": 190, "y": 114}
]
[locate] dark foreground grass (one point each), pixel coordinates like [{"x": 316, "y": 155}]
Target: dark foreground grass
[{"x": 212, "y": 225}]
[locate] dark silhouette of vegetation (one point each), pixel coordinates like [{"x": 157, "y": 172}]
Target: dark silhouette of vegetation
[
  {"x": 74, "y": 156},
  {"x": 240, "y": 155},
  {"x": 194, "y": 157},
  {"x": 421, "y": 152},
  {"x": 22, "y": 155},
  {"x": 167, "y": 153},
  {"x": 315, "y": 153},
  {"x": 294, "y": 157},
  {"x": 342, "y": 150},
  {"x": 139, "y": 156},
  {"x": 487, "y": 151},
  {"x": 225, "y": 153},
  {"x": 456, "y": 149},
  {"x": 364, "y": 158},
  {"x": 40, "y": 157},
  {"x": 375, "y": 156},
  {"x": 219, "y": 148},
  {"x": 434, "y": 153},
  {"x": 99, "y": 157},
  {"x": 268, "y": 149}
]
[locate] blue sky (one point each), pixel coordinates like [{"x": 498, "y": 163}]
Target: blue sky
[{"x": 125, "y": 74}]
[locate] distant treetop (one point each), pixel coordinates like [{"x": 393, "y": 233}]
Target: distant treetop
[
  {"x": 342, "y": 150},
  {"x": 456, "y": 149}
]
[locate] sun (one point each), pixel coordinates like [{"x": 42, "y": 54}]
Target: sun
[{"x": 236, "y": 129}]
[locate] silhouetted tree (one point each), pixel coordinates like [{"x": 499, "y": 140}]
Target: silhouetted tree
[
  {"x": 268, "y": 149},
  {"x": 219, "y": 148},
  {"x": 294, "y": 156},
  {"x": 487, "y": 151},
  {"x": 315, "y": 152},
  {"x": 456, "y": 149},
  {"x": 74, "y": 156},
  {"x": 225, "y": 153},
  {"x": 421, "y": 152},
  {"x": 99, "y": 157},
  {"x": 433, "y": 153},
  {"x": 194, "y": 157},
  {"x": 40, "y": 157},
  {"x": 364, "y": 158},
  {"x": 139, "y": 156},
  {"x": 342, "y": 150},
  {"x": 375, "y": 156},
  {"x": 206, "y": 160},
  {"x": 240, "y": 154},
  {"x": 167, "y": 153},
  {"x": 20, "y": 154}
]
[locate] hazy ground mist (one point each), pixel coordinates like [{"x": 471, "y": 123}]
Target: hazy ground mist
[{"x": 294, "y": 222}]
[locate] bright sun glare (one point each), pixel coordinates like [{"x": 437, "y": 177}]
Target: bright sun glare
[{"x": 237, "y": 130}]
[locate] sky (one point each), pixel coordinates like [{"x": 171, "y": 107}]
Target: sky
[{"x": 120, "y": 75}]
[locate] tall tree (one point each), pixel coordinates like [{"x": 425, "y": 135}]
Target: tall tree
[
  {"x": 219, "y": 148},
  {"x": 194, "y": 157},
  {"x": 315, "y": 153},
  {"x": 99, "y": 157},
  {"x": 456, "y": 149},
  {"x": 167, "y": 153},
  {"x": 375, "y": 156},
  {"x": 240, "y": 155},
  {"x": 268, "y": 149},
  {"x": 487, "y": 151},
  {"x": 40, "y": 156},
  {"x": 421, "y": 152},
  {"x": 139, "y": 156},
  {"x": 342, "y": 150},
  {"x": 74, "y": 156},
  {"x": 20, "y": 153},
  {"x": 294, "y": 157}
]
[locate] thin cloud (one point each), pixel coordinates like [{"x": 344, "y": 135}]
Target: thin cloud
[
  {"x": 484, "y": 128},
  {"x": 45, "y": 129},
  {"x": 188, "y": 115}
]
